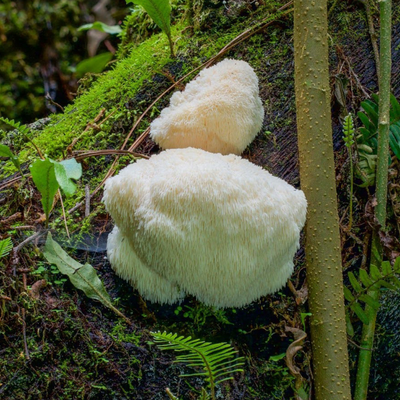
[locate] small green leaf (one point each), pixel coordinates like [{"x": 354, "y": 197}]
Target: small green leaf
[
  {"x": 370, "y": 301},
  {"x": 65, "y": 171},
  {"x": 277, "y": 357},
  {"x": 44, "y": 177},
  {"x": 102, "y": 27},
  {"x": 349, "y": 325},
  {"x": 374, "y": 272},
  {"x": 159, "y": 11},
  {"x": 372, "y": 111},
  {"x": 94, "y": 64},
  {"x": 365, "y": 279},
  {"x": 360, "y": 313},
  {"x": 387, "y": 284},
  {"x": 5, "y": 247},
  {"x": 347, "y": 294},
  {"x": 6, "y": 152},
  {"x": 354, "y": 282},
  {"x": 83, "y": 277},
  {"x": 386, "y": 268}
]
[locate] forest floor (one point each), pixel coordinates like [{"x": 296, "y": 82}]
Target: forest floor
[{"x": 55, "y": 343}]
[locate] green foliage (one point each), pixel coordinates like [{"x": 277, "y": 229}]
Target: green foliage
[
  {"x": 44, "y": 177},
  {"x": 5, "y": 247},
  {"x": 215, "y": 360},
  {"x": 49, "y": 175},
  {"x": 160, "y": 12},
  {"x": 102, "y": 27},
  {"x": 94, "y": 65},
  {"x": 348, "y": 137},
  {"x": 5, "y": 151},
  {"x": 348, "y": 131},
  {"x": 383, "y": 277},
  {"x": 83, "y": 277},
  {"x": 367, "y": 143}
]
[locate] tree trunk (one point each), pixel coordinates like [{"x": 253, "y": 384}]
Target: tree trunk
[{"x": 317, "y": 175}]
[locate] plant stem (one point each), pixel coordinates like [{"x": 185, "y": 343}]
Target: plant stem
[
  {"x": 317, "y": 175},
  {"x": 368, "y": 332},
  {"x": 351, "y": 187}
]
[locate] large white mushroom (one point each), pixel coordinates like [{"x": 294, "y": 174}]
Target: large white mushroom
[
  {"x": 217, "y": 227},
  {"x": 220, "y": 111}
]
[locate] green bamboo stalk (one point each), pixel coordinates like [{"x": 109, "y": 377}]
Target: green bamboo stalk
[
  {"x": 317, "y": 174},
  {"x": 368, "y": 332}
]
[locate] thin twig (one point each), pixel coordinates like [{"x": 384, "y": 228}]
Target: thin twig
[
  {"x": 64, "y": 216},
  {"x": 87, "y": 201},
  {"x": 96, "y": 153}
]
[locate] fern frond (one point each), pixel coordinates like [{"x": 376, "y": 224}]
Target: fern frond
[
  {"x": 383, "y": 276},
  {"x": 5, "y": 247},
  {"x": 16, "y": 125},
  {"x": 215, "y": 359}
]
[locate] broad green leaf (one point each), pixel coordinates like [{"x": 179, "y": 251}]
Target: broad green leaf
[
  {"x": 159, "y": 11},
  {"x": 65, "y": 171},
  {"x": 5, "y": 247},
  {"x": 395, "y": 109},
  {"x": 395, "y": 130},
  {"x": 102, "y": 27},
  {"x": 83, "y": 277},
  {"x": 6, "y": 152},
  {"x": 360, "y": 313},
  {"x": 371, "y": 109},
  {"x": 370, "y": 301},
  {"x": 374, "y": 272},
  {"x": 44, "y": 177},
  {"x": 94, "y": 64},
  {"x": 396, "y": 266},
  {"x": 354, "y": 282},
  {"x": 366, "y": 122},
  {"x": 365, "y": 279},
  {"x": 394, "y": 145}
]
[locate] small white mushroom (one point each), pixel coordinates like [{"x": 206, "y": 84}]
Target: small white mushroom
[
  {"x": 218, "y": 227},
  {"x": 220, "y": 111}
]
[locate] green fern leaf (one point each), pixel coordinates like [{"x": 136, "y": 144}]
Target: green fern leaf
[
  {"x": 375, "y": 273},
  {"x": 356, "y": 307},
  {"x": 365, "y": 279},
  {"x": 370, "y": 301},
  {"x": 386, "y": 268},
  {"x": 216, "y": 360},
  {"x": 5, "y": 247},
  {"x": 387, "y": 284},
  {"x": 354, "y": 282},
  {"x": 347, "y": 294},
  {"x": 16, "y": 125}
]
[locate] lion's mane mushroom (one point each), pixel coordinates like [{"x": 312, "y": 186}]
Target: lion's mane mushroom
[
  {"x": 218, "y": 227},
  {"x": 220, "y": 111}
]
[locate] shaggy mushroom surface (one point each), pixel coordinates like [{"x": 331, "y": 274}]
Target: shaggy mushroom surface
[
  {"x": 220, "y": 111},
  {"x": 217, "y": 227}
]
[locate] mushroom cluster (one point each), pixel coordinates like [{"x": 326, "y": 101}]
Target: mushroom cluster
[{"x": 191, "y": 221}]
